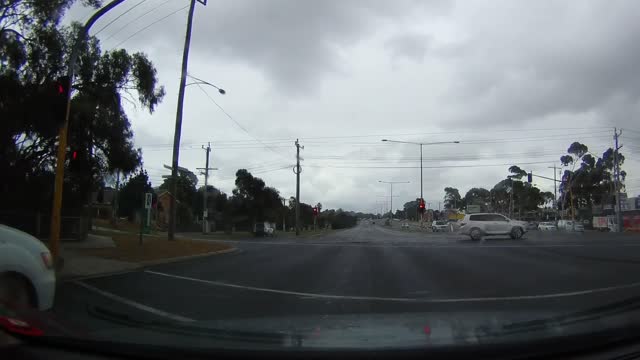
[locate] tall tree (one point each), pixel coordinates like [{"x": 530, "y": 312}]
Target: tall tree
[
  {"x": 452, "y": 198},
  {"x": 477, "y": 196},
  {"x": 34, "y": 51},
  {"x": 131, "y": 196}
]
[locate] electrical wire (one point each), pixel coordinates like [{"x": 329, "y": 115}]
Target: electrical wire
[
  {"x": 136, "y": 18},
  {"x": 424, "y": 167},
  {"x": 119, "y": 16},
  {"x": 236, "y": 122},
  {"x": 148, "y": 26},
  {"x": 310, "y": 140}
]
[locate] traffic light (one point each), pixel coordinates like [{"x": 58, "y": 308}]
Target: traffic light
[
  {"x": 59, "y": 92},
  {"x": 421, "y": 207},
  {"x": 315, "y": 211},
  {"x": 530, "y": 177}
]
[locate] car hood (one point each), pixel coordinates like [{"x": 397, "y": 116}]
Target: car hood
[
  {"x": 344, "y": 331},
  {"x": 367, "y": 331}
]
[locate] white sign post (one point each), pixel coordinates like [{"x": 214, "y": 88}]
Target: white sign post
[{"x": 148, "y": 198}]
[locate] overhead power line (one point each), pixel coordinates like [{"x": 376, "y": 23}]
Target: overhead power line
[
  {"x": 136, "y": 18},
  {"x": 150, "y": 25},
  {"x": 310, "y": 140},
  {"x": 425, "y": 167},
  {"x": 119, "y": 16},
  {"x": 238, "y": 123}
]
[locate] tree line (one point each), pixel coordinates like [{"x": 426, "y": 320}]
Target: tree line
[
  {"x": 251, "y": 201},
  {"x": 586, "y": 180}
]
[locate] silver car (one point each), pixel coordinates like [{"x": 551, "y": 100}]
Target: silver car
[
  {"x": 482, "y": 224},
  {"x": 547, "y": 226}
]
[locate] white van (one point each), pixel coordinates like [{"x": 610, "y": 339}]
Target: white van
[{"x": 566, "y": 225}]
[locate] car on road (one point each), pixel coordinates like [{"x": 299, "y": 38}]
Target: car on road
[
  {"x": 27, "y": 276},
  {"x": 404, "y": 226},
  {"x": 439, "y": 225},
  {"x": 479, "y": 225},
  {"x": 570, "y": 225},
  {"x": 264, "y": 229},
  {"x": 532, "y": 225},
  {"x": 547, "y": 226}
]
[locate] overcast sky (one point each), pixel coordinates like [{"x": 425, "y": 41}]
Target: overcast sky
[{"x": 515, "y": 81}]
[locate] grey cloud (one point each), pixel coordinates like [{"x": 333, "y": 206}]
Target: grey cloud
[
  {"x": 539, "y": 58},
  {"x": 296, "y": 42},
  {"x": 411, "y": 46}
]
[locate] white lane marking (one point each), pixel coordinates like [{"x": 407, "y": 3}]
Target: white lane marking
[
  {"x": 395, "y": 299},
  {"x": 134, "y": 304}
]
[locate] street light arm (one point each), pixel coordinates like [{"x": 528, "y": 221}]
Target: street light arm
[{"x": 203, "y": 82}]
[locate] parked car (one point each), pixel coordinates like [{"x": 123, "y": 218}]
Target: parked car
[
  {"x": 439, "y": 225},
  {"x": 482, "y": 224},
  {"x": 264, "y": 229},
  {"x": 27, "y": 275},
  {"x": 404, "y": 226},
  {"x": 570, "y": 225},
  {"x": 547, "y": 226},
  {"x": 532, "y": 225}
]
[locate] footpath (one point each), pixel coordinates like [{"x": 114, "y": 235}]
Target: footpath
[{"x": 107, "y": 251}]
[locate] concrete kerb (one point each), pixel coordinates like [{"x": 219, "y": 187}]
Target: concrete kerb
[{"x": 144, "y": 264}]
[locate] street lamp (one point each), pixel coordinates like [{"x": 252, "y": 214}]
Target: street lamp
[
  {"x": 203, "y": 82},
  {"x": 391, "y": 195},
  {"x": 421, "y": 144}
]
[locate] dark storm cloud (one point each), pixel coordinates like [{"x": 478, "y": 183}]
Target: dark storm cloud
[{"x": 296, "y": 42}]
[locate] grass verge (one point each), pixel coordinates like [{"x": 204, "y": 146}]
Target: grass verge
[{"x": 152, "y": 248}]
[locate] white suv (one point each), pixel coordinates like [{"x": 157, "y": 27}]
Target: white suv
[{"x": 482, "y": 224}]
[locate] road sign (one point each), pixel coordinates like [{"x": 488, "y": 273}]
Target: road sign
[
  {"x": 473, "y": 209},
  {"x": 147, "y": 200}
]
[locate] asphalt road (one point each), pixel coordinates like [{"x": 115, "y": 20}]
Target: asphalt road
[{"x": 369, "y": 269}]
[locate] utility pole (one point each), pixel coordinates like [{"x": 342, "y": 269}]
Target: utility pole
[
  {"x": 618, "y": 207},
  {"x": 555, "y": 192},
  {"x": 391, "y": 195},
  {"x": 205, "y": 209},
  {"x": 297, "y": 170},
  {"x": 178, "y": 128}
]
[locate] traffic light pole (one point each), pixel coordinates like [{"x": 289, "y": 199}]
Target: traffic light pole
[{"x": 56, "y": 208}]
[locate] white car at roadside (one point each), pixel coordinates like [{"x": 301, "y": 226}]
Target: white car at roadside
[
  {"x": 547, "y": 226},
  {"x": 27, "y": 275},
  {"x": 439, "y": 225},
  {"x": 482, "y": 224}
]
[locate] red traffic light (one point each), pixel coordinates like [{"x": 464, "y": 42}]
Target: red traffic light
[
  {"x": 315, "y": 211},
  {"x": 61, "y": 86},
  {"x": 74, "y": 155}
]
